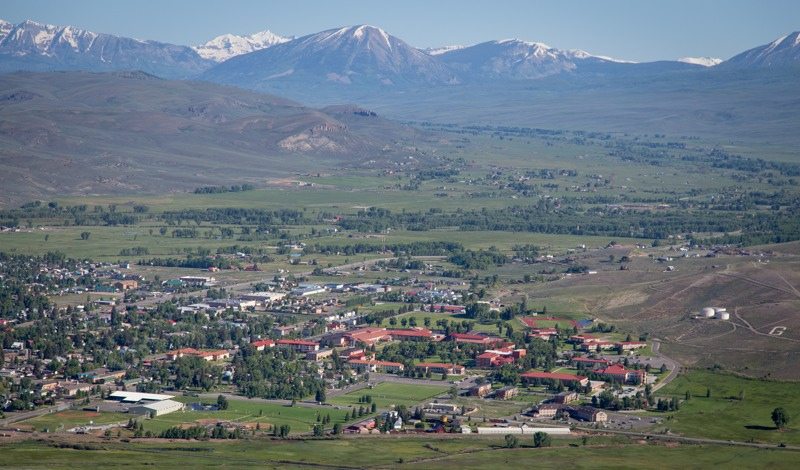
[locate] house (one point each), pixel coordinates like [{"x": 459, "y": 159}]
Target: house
[
  {"x": 618, "y": 373},
  {"x": 362, "y": 427},
  {"x": 588, "y": 413},
  {"x": 480, "y": 390},
  {"x": 126, "y": 284},
  {"x": 363, "y": 365},
  {"x": 439, "y": 368},
  {"x": 538, "y": 377},
  {"x": 262, "y": 344},
  {"x": 506, "y": 393},
  {"x": 47, "y": 386},
  {"x": 298, "y": 345}
]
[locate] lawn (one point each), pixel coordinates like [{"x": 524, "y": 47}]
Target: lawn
[
  {"x": 419, "y": 317},
  {"x": 724, "y": 416},
  {"x": 299, "y": 418},
  {"x": 64, "y": 420},
  {"x": 387, "y": 394}
]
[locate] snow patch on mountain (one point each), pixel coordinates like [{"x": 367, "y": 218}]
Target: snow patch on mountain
[
  {"x": 704, "y": 61},
  {"x": 441, "y": 50},
  {"x": 223, "y": 47}
]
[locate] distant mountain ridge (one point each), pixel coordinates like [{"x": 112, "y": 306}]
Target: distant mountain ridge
[
  {"x": 79, "y": 132},
  {"x": 223, "y": 47},
  {"x": 40, "y": 47},
  {"x": 515, "y": 59},
  {"x": 362, "y": 55}
]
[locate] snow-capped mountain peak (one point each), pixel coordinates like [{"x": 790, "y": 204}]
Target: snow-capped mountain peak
[
  {"x": 704, "y": 61},
  {"x": 30, "y": 45},
  {"x": 223, "y": 47},
  {"x": 784, "y": 51}
]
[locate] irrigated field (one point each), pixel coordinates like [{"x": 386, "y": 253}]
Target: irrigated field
[{"x": 724, "y": 415}]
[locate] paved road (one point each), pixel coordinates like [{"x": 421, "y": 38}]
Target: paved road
[{"x": 673, "y": 366}]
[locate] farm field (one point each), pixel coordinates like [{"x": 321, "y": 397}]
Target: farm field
[
  {"x": 724, "y": 415},
  {"x": 387, "y": 394},
  {"x": 395, "y": 453}
]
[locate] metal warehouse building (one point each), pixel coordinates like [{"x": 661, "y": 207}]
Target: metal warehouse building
[{"x": 157, "y": 408}]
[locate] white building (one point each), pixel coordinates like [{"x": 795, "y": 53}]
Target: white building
[
  {"x": 523, "y": 430},
  {"x": 157, "y": 408}
]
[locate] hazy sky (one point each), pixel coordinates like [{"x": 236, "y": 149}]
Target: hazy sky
[{"x": 628, "y": 29}]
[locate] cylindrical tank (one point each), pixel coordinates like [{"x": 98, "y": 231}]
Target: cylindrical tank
[
  {"x": 723, "y": 315},
  {"x": 707, "y": 312}
]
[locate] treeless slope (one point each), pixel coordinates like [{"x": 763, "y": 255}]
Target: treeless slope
[{"x": 78, "y": 132}]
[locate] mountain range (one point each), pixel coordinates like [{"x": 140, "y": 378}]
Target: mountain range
[
  {"x": 364, "y": 55},
  {"x": 42, "y": 47},
  {"x": 501, "y": 83}
]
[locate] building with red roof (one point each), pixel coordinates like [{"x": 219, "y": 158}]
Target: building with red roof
[
  {"x": 589, "y": 363},
  {"x": 412, "y": 334},
  {"x": 499, "y": 357},
  {"x": 215, "y": 355},
  {"x": 536, "y": 376},
  {"x": 472, "y": 338},
  {"x": 298, "y": 345},
  {"x": 262, "y": 344},
  {"x": 618, "y": 372}
]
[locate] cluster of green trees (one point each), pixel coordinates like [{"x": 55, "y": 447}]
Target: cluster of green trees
[{"x": 276, "y": 373}]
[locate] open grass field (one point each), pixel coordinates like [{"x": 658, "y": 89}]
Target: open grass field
[
  {"x": 387, "y": 394},
  {"x": 410, "y": 452},
  {"x": 299, "y": 418},
  {"x": 420, "y": 317},
  {"x": 69, "y": 419},
  {"x": 724, "y": 416}
]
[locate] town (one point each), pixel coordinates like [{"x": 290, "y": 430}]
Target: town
[{"x": 137, "y": 349}]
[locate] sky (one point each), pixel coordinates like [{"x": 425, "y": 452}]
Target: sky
[{"x": 639, "y": 30}]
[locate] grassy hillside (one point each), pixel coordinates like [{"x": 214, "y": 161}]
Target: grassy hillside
[{"x": 83, "y": 133}]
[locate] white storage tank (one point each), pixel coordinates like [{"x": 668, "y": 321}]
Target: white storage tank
[
  {"x": 723, "y": 315},
  {"x": 707, "y": 312},
  {"x": 720, "y": 309}
]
